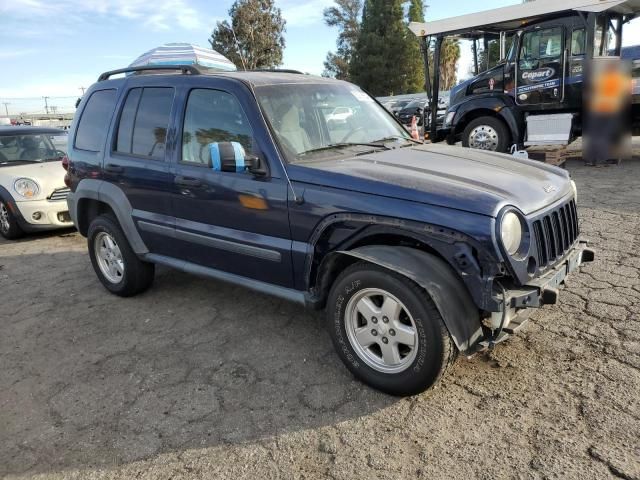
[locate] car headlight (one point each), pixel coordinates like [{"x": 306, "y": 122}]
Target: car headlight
[
  {"x": 449, "y": 118},
  {"x": 511, "y": 232},
  {"x": 575, "y": 191},
  {"x": 27, "y": 188}
]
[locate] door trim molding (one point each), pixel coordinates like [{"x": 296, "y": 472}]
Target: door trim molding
[{"x": 208, "y": 241}]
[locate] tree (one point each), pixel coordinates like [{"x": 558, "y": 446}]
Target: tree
[
  {"x": 380, "y": 58},
  {"x": 346, "y": 16},
  {"x": 254, "y": 39},
  {"x": 415, "y": 67},
  {"x": 449, "y": 56}
]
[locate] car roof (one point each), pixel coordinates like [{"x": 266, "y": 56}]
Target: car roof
[
  {"x": 26, "y": 130},
  {"x": 254, "y": 78}
]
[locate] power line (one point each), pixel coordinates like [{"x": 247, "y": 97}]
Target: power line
[
  {"x": 46, "y": 106},
  {"x": 6, "y": 107}
]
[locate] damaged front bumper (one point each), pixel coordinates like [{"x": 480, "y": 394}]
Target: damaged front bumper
[{"x": 544, "y": 290}]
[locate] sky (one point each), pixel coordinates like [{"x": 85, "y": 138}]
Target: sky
[{"x": 55, "y": 47}]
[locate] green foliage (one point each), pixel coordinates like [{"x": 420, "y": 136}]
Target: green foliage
[
  {"x": 449, "y": 56},
  {"x": 415, "y": 63},
  {"x": 346, "y": 16},
  {"x": 380, "y": 61},
  {"x": 258, "y": 42}
]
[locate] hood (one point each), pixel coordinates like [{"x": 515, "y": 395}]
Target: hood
[
  {"x": 452, "y": 177},
  {"x": 48, "y": 175}
]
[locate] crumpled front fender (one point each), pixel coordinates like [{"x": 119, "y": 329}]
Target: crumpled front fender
[{"x": 444, "y": 286}]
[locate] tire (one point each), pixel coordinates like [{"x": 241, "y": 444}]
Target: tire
[
  {"x": 9, "y": 227},
  {"x": 118, "y": 268},
  {"x": 412, "y": 370},
  {"x": 493, "y": 137}
]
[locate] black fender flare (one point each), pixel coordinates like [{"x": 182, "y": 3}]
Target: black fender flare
[
  {"x": 444, "y": 286},
  {"x": 502, "y": 107},
  {"x": 113, "y": 196}
]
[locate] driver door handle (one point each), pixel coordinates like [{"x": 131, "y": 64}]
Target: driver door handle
[
  {"x": 187, "y": 181},
  {"x": 113, "y": 168}
]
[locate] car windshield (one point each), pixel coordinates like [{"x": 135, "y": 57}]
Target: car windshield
[
  {"x": 316, "y": 120},
  {"x": 415, "y": 104},
  {"x": 26, "y": 149}
]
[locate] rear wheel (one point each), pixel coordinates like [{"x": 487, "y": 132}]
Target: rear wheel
[
  {"x": 117, "y": 266},
  {"x": 387, "y": 330},
  {"x": 9, "y": 227},
  {"x": 486, "y": 133}
]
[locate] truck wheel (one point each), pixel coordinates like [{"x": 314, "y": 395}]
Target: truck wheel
[
  {"x": 486, "y": 133},
  {"x": 9, "y": 227},
  {"x": 387, "y": 330},
  {"x": 115, "y": 263}
]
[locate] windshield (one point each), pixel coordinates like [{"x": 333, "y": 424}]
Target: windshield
[
  {"x": 416, "y": 104},
  {"x": 313, "y": 120},
  {"x": 27, "y": 148}
]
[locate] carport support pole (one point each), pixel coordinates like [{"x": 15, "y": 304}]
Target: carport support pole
[
  {"x": 436, "y": 88},
  {"x": 424, "y": 49},
  {"x": 475, "y": 56}
]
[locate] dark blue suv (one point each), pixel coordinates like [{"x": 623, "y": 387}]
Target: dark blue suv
[{"x": 416, "y": 251}]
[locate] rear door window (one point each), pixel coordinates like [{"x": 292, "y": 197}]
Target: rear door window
[
  {"x": 94, "y": 122},
  {"x": 144, "y": 121}
]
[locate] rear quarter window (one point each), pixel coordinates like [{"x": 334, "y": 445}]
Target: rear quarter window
[{"x": 94, "y": 122}]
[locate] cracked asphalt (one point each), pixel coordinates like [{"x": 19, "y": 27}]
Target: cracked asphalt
[{"x": 198, "y": 379}]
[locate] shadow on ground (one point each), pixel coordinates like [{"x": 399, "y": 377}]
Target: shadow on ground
[{"x": 92, "y": 379}]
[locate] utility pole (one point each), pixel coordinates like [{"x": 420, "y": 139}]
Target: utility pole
[
  {"x": 82, "y": 89},
  {"x": 46, "y": 105},
  {"x": 6, "y": 108}
]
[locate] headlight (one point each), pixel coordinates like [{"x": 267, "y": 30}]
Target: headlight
[
  {"x": 575, "y": 191},
  {"x": 27, "y": 188},
  {"x": 449, "y": 118},
  {"x": 511, "y": 232}
]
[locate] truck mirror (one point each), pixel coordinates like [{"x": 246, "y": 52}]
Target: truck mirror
[{"x": 231, "y": 157}]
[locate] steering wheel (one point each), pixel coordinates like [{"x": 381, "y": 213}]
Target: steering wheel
[{"x": 351, "y": 134}]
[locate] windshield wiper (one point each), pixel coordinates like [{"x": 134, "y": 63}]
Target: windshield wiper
[
  {"x": 21, "y": 160},
  {"x": 409, "y": 141},
  {"x": 347, "y": 144}
]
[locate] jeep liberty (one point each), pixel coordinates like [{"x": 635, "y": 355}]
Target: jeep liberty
[{"x": 416, "y": 252}]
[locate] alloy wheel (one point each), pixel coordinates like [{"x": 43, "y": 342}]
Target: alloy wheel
[
  {"x": 109, "y": 257},
  {"x": 4, "y": 218},
  {"x": 381, "y": 330}
]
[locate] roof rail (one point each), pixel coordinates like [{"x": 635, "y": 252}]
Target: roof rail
[
  {"x": 277, "y": 70},
  {"x": 185, "y": 69}
]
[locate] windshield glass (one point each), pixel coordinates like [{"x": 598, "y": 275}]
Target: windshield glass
[
  {"x": 416, "y": 104},
  {"x": 26, "y": 148},
  {"x": 313, "y": 120}
]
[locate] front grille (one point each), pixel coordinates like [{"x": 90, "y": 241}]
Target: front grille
[
  {"x": 555, "y": 232},
  {"x": 59, "y": 194}
]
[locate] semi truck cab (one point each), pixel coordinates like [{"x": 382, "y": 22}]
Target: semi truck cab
[{"x": 544, "y": 53}]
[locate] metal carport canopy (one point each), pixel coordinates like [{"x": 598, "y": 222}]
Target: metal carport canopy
[{"x": 514, "y": 16}]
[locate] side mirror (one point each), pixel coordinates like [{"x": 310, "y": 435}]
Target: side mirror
[{"x": 231, "y": 157}]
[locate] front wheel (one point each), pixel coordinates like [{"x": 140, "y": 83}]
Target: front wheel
[
  {"x": 486, "y": 133},
  {"x": 9, "y": 227},
  {"x": 387, "y": 330}
]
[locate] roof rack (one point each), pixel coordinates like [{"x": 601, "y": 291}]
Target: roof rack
[
  {"x": 185, "y": 69},
  {"x": 277, "y": 70}
]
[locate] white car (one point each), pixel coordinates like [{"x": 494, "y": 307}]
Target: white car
[
  {"x": 339, "y": 116},
  {"x": 32, "y": 190}
]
